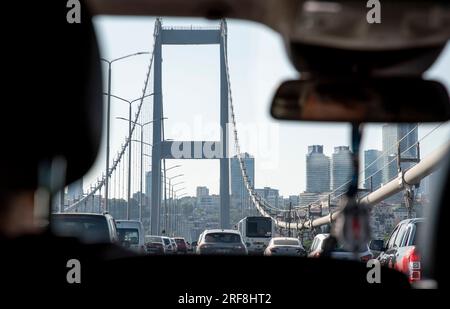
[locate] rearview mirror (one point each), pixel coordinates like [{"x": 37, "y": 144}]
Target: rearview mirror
[{"x": 397, "y": 99}]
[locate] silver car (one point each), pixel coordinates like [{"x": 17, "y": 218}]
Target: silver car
[
  {"x": 218, "y": 242},
  {"x": 285, "y": 246}
]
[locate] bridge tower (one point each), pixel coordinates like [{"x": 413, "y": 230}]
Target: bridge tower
[{"x": 163, "y": 149}]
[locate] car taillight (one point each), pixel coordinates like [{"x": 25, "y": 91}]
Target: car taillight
[
  {"x": 414, "y": 266},
  {"x": 366, "y": 258}
]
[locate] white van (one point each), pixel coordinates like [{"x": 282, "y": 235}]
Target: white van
[{"x": 131, "y": 235}]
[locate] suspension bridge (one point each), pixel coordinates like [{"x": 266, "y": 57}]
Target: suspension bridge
[{"x": 125, "y": 172}]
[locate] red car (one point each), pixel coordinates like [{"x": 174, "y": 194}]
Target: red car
[
  {"x": 400, "y": 252},
  {"x": 181, "y": 245}
]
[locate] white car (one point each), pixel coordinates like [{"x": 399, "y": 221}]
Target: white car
[
  {"x": 168, "y": 246},
  {"x": 131, "y": 235},
  {"x": 221, "y": 242},
  {"x": 338, "y": 252},
  {"x": 285, "y": 246}
]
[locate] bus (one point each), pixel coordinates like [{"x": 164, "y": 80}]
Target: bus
[{"x": 256, "y": 233}]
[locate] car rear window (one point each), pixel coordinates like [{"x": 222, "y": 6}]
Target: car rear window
[
  {"x": 129, "y": 234},
  {"x": 286, "y": 242},
  {"x": 166, "y": 241},
  {"x": 153, "y": 239},
  {"x": 222, "y": 237},
  {"x": 179, "y": 241},
  {"x": 88, "y": 229}
]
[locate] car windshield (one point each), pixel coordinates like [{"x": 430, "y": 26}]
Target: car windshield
[
  {"x": 128, "y": 234},
  {"x": 286, "y": 242},
  {"x": 259, "y": 227},
  {"x": 281, "y": 175},
  {"x": 89, "y": 229},
  {"x": 222, "y": 238}
]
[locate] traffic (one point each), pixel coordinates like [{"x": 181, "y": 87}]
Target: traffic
[{"x": 254, "y": 236}]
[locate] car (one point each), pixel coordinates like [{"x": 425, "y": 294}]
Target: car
[
  {"x": 401, "y": 252},
  {"x": 87, "y": 227},
  {"x": 168, "y": 246},
  {"x": 154, "y": 245},
  {"x": 285, "y": 246},
  {"x": 174, "y": 245},
  {"x": 221, "y": 241},
  {"x": 131, "y": 235},
  {"x": 181, "y": 245},
  {"x": 338, "y": 251}
]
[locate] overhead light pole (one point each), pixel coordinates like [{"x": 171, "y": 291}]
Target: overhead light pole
[
  {"x": 141, "y": 125},
  {"x": 130, "y": 103},
  {"x": 108, "y": 116}
]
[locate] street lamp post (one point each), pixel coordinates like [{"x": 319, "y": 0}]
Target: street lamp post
[
  {"x": 108, "y": 115},
  {"x": 141, "y": 125},
  {"x": 130, "y": 103},
  {"x": 165, "y": 192},
  {"x": 175, "y": 209},
  {"x": 167, "y": 210}
]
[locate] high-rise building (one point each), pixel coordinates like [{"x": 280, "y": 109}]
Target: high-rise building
[
  {"x": 202, "y": 191},
  {"x": 317, "y": 170},
  {"x": 239, "y": 194},
  {"x": 393, "y": 134},
  {"x": 294, "y": 199},
  {"x": 341, "y": 169},
  {"x": 373, "y": 175},
  {"x": 270, "y": 195},
  {"x": 237, "y": 181}
]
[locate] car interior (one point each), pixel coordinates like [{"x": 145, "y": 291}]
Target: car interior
[{"x": 54, "y": 112}]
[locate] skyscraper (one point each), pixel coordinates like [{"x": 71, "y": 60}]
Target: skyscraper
[
  {"x": 393, "y": 134},
  {"x": 341, "y": 169},
  {"x": 317, "y": 170},
  {"x": 372, "y": 166},
  {"x": 271, "y": 195},
  {"x": 239, "y": 194},
  {"x": 202, "y": 191},
  {"x": 237, "y": 181}
]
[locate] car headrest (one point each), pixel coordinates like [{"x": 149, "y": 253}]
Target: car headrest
[{"x": 51, "y": 105}]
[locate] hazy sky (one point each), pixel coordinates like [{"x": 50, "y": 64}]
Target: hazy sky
[{"x": 258, "y": 64}]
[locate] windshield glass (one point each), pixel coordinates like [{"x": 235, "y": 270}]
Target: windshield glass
[
  {"x": 89, "y": 229},
  {"x": 281, "y": 176},
  {"x": 129, "y": 234},
  {"x": 259, "y": 227},
  {"x": 222, "y": 238},
  {"x": 153, "y": 239},
  {"x": 286, "y": 242}
]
